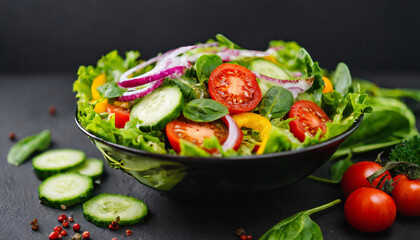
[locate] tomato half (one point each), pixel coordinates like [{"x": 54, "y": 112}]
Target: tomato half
[
  {"x": 406, "y": 194},
  {"x": 194, "y": 132},
  {"x": 309, "y": 118},
  {"x": 122, "y": 115},
  {"x": 235, "y": 87},
  {"x": 355, "y": 176},
  {"x": 370, "y": 210}
]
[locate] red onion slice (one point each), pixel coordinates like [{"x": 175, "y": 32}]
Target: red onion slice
[
  {"x": 234, "y": 138},
  {"x": 138, "y": 93},
  {"x": 294, "y": 86},
  {"x": 168, "y": 64}
]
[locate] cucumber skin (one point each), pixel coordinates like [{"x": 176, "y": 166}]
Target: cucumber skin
[
  {"x": 101, "y": 223},
  {"x": 43, "y": 174},
  {"x": 164, "y": 121},
  {"x": 66, "y": 202}
]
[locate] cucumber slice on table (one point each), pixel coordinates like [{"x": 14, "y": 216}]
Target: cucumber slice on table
[
  {"x": 158, "y": 108},
  {"x": 65, "y": 189},
  {"x": 268, "y": 69},
  {"x": 92, "y": 167},
  {"x": 105, "y": 208},
  {"x": 56, "y": 161}
]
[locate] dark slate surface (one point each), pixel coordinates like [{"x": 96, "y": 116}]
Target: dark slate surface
[{"x": 25, "y": 101}]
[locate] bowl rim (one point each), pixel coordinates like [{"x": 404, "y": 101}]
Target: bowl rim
[{"x": 213, "y": 159}]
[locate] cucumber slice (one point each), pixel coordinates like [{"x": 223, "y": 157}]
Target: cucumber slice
[
  {"x": 56, "y": 161},
  {"x": 104, "y": 208},
  {"x": 92, "y": 167},
  {"x": 65, "y": 189},
  {"x": 158, "y": 108},
  {"x": 268, "y": 69}
]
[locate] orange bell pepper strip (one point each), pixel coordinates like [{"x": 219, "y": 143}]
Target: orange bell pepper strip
[{"x": 256, "y": 122}]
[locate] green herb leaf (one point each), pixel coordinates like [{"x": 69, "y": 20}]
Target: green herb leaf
[
  {"x": 341, "y": 79},
  {"x": 407, "y": 151},
  {"x": 298, "y": 226},
  {"x": 19, "y": 152},
  {"x": 276, "y": 103},
  {"x": 204, "y": 110},
  {"x": 205, "y": 65},
  {"x": 110, "y": 90}
]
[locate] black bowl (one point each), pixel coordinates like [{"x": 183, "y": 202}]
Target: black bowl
[{"x": 210, "y": 179}]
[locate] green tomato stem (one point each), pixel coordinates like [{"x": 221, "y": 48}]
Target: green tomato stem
[{"x": 320, "y": 208}]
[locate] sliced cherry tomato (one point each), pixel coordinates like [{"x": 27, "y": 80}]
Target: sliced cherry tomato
[
  {"x": 370, "y": 210},
  {"x": 309, "y": 118},
  {"x": 406, "y": 194},
  {"x": 194, "y": 132},
  {"x": 355, "y": 176},
  {"x": 122, "y": 115},
  {"x": 235, "y": 87}
]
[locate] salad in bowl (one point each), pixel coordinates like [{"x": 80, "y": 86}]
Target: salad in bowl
[
  {"x": 217, "y": 99},
  {"x": 213, "y": 121}
]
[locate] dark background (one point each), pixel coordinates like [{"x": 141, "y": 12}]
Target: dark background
[{"x": 60, "y": 35}]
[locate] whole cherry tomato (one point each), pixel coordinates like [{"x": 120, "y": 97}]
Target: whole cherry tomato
[
  {"x": 370, "y": 210},
  {"x": 406, "y": 194},
  {"x": 355, "y": 176}
]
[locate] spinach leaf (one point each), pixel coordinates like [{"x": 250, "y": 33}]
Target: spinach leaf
[
  {"x": 19, "y": 152},
  {"x": 205, "y": 65},
  {"x": 110, "y": 90},
  {"x": 390, "y": 122},
  {"x": 276, "y": 103},
  {"x": 341, "y": 79},
  {"x": 373, "y": 90},
  {"x": 298, "y": 226},
  {"x": 339, "y": 167},
  {"x": 312, "y": 69},
  {"x": 224, "y": 41},
  {"x": 204, "y": 110}
]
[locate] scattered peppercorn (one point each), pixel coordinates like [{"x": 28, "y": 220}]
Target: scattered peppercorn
[
  {"x": 243, "y": 237},
  {"x": 52, "y": 110},
  {"x": 34, "y": 224},
  {"x": 63, "y": 233},
  {"x": 71, "y": 219},
  {"x": 62, "y": 217},
  {"x": 114, "y": 225},
  {"x": 249, "y": 237},
  {"x": 63, "y": 207},
  {"x": 239, "y": 232},
  {"x": 58, "y": 229},
  {"x": 128, "y": 232},
  {"x": 65, "y": 223},
  {"x": 53, "y": 235},
  {"x": 76, "y": 227},
  {"x": 76, "y": 236},
  {"x": 12, "y": 136},
  {"x": 85, "y": 235}
]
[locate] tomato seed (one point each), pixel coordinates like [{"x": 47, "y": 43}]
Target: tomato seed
[
  {"x": 128, "y": 232},
  {"x": 52, "y": 110},
  {"x": 85, "y": 235},
  {"x": 65, "y": 223},
  {"x": 62, "y": 217},
  {"x": 76, "y": 227},
  {"x": 12, "y": 136}
]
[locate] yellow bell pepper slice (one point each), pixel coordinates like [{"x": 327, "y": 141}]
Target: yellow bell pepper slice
[
  {"x": 98, "y": 81},
  {"x": 101, "y": 106},
  {"x": 256, "y": 122},
  {"x": 271, "y": 58},
  {"x": 328, "y": 85}
]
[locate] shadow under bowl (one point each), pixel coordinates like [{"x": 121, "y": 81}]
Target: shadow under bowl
[{"x": 215, "y": 180}]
